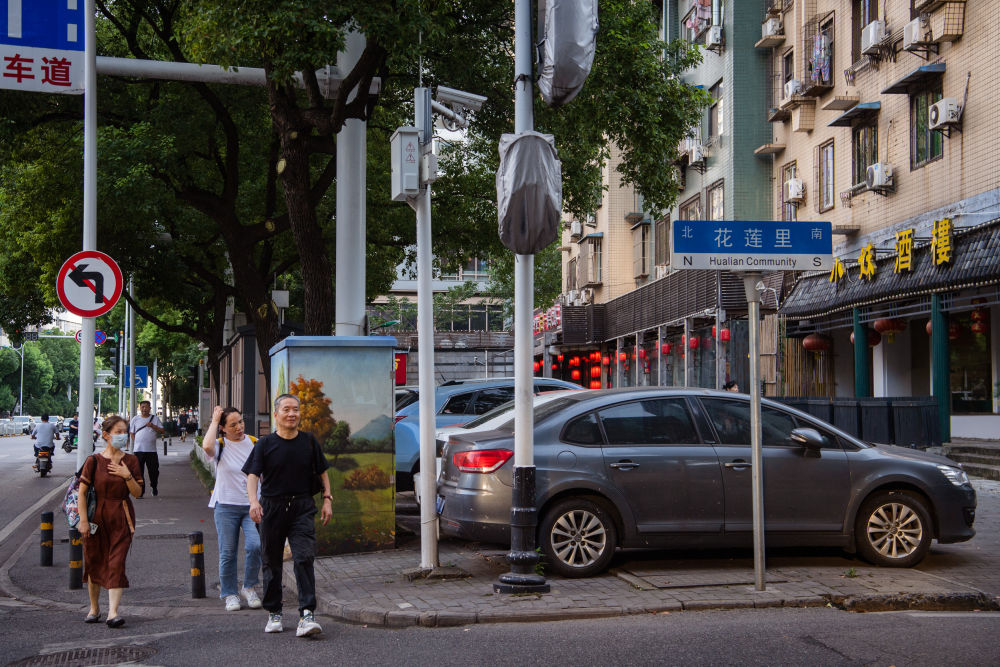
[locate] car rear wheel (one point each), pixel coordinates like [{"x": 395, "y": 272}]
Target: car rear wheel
[
  {"x": 578, "y": 537},
  {"x": 893, "y": 529}
]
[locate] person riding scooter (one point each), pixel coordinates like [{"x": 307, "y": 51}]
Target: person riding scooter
[{"x": 44, "y": 434}]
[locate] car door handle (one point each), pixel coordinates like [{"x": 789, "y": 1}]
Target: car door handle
[
  {"x": 738, "y": 464},
  {"x": 624, "y": 465}
]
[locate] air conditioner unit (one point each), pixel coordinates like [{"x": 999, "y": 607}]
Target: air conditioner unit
[
  {"x": 792, "y": 87},
  {"x": 696, "y": 155},
  {"x": 572, "y": 296},
  {"x": 575, "y": 228},
  {"x": 878, "y": 176},
  {"x": 871, "y": 36},
  {"x": 913, "y": 35},
  {"x": 771, "y": 27},
  {"x": 713, "y": 38},
  {"x": 944, "y": 113},
  {"x": 794, "y": 191}
]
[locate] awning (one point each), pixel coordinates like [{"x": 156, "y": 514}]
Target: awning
[
  {"x": 594, "y": 235},
  {"x": 921, "y": 75},
  {"x": 861, "y": 111}
]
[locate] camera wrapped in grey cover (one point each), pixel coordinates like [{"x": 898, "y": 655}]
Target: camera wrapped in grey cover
[
  {"x": 569, "y": 39},
  {"x": 529, "y": 191}
]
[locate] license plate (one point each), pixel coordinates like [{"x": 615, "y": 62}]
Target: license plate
[{"x": 439, "y": 504}]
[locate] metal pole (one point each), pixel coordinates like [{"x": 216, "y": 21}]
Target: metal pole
[
  {"x": 351, "y": 251},
  {"x": 757, "y": 460},
  {"x": 425, "y": 351},
  {"x": 20, "y": 392},
  {"x": 85, "y": 406},
  {"x": 523, "y": 513},
  {"x": 133, "y": 408}
]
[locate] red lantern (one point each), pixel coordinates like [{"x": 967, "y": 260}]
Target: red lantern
[
  {"x": 979, "y": 327},
  {"x": 714, "y": 335},
  {"x": 559, "y": 358},
  {"x": 622, "y": 356},
  {"x": 979, "y": 315},
  {"x": 874, "y": 337},
  {"x": 890, "y": 327},
  {"x": 606, "y": 361},
  {"x": 595, "y": 384},
  {"x": 574, "y": 374},
  {"x": 595, "y": 371},
  {"x": 954, "y": 331},
  {"x": 595, "y": 356},
  {"x": 537, "y": 366},
  {"x": 667, "y": 347},
  {"x": 816, "y": 342},
  {"x": 555, "y": 367},
  {"x": 574, "y": 361},
  {"x": 724, "y": 335},
  {"x": 928, "y": 327},
  {"x": 694, "y": 342},
  {"x": 642, "y": 353}
]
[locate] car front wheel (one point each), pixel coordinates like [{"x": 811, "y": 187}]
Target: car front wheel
[
  {"x": 578, "y": 537},
  {"x": 893, "y": 529}
]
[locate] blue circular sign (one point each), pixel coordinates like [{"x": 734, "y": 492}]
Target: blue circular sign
[{"x": 100, "y": 337}]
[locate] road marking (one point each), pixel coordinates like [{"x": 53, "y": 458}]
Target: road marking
[
  {"x": 23, "y": 516},
  {"x": 954, "y": 614},
  {"x": 108, "y": 643}
]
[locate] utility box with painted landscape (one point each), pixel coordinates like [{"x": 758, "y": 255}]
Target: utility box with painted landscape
[{"x": 345, "y": 385}]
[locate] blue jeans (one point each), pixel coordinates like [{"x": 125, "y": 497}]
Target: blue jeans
[{"x": 228, "y": 521}]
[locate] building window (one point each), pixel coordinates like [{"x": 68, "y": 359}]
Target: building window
[
  {"x": 865, "y": 11},
  {"x": 640, "y": 251},
  {"x": 826, "y": 187},
  {"x": 571, "y": 275},
  {"x": 865, "y": 145},
  {"x": 715, "y": 112},
  {"x": 925, "y": 144},
  {"x": 716, "y": 202},
  {"x": 691, "y": 209},
  {"x": 820, "y": 64},
  {"x": 789, "y": 211},
  {"x": 595, "y": 257},
  {"x": 787, "y": 67},
  {"x": 696, "y": 21},
  {"x": 662, "y": 241}
]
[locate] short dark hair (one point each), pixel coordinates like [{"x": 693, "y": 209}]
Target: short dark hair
[
  {"x": 228, "y": 411},
  {"x": 45, "y": 417},
  {"x": 145, "y": 403},
  {"x": 110, "y": 422},
  {"x": 729, "y": 385}
]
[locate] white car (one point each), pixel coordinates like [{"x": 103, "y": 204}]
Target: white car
[{"x": 488, "y": 421}]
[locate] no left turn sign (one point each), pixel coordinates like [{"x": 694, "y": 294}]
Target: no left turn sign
[{"x": 89, "y": 283}]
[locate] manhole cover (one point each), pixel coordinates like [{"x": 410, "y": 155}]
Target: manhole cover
[{"x": 89, "y": 656}]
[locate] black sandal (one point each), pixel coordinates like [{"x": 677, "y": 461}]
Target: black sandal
[
  {"x": 116, "y": 622},
  {"x": 92, "y": 618}
]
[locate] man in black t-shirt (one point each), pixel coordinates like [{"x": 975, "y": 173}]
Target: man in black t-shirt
[{"x": 291, "y": 464}]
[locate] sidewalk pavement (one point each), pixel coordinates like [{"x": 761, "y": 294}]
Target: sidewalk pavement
[{"x": 380, "y": 588}]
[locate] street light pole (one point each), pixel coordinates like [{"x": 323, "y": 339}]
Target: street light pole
[{"x": 20, "y": 395}]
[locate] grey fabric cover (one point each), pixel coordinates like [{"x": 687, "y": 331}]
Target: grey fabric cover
[
  {"x": 529, "y": 191},
  {"x": 567, "y": 49}
]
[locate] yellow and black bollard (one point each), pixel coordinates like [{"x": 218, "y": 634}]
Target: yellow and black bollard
[
  {"x": 75, "y": 560},
  {"x": 46, "y": 532},
  {"x": 197, "y": 564}
]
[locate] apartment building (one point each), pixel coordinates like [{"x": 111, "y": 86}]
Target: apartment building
[
  {"x": 626, "y": 319},
  {"x": 882, "y": 122}
]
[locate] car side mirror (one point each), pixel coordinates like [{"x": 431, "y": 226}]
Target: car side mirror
[{"x": 809, "y": 438}]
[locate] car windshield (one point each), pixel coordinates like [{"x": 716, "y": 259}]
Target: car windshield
[
  {"x": 542, "y": 411},
  {"x": 492, "y": 414}
]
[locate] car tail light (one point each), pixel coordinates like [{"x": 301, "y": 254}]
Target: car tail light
[
  {"x": 483, "y": 461},
  {"x": 397, "y": 419}
]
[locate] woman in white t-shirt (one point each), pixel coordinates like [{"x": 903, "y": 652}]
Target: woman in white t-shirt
[{"x": 232, "y": 506}]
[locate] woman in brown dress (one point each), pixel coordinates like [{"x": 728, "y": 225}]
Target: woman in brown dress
[{"x": 106, "y": 541}]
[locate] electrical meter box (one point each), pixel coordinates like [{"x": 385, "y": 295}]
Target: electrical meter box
[{"x": 405, "y": 149}]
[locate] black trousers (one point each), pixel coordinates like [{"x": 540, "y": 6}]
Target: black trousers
[
  {"x": 290, "y": 518},
  {"x": 150, "y": 461}
]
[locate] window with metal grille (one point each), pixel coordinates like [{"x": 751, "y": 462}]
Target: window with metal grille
[
  {"x": 864, "y": 142},
  {"x": 640, "y": 251},
  {"x": 824, "y": 162},
  {"x": 789, "y": 210},
  {"x": 691, "y": 209},
  {"x": 716, "y": 201},
  {"x": 926, "y": 145},
  {"x": 571, "y": 274},
  {"x": 662, "y": 241},
  {"x": 864, "y": 12}
]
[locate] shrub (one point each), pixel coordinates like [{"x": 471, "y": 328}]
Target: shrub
[
  {"x": 344, "y": 463},
  {"x": 367, "y": 478}
]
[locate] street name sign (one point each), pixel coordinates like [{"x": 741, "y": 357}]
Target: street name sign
[
  {"x": 752, "y": 245},
  {"x": 41, "y": 45},
  {"x": 141, "y": 376},
  {"x": 89, "y": 284}
]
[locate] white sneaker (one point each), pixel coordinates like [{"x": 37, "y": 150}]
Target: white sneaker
[
  {"x": 253, "y": 601},
  {"x": 232, "y": 603},
  {"x": 307, "y": 625},
  {"x": 274, "y": 623}
]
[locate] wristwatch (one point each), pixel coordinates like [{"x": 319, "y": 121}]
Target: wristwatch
[{"x": 327, "y": 496}]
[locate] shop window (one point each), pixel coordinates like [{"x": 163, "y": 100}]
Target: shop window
[
  {"x": 864, "y": 142},
  {"x": 926, "y": 145},
  {"x": 970, "y": 357},
  {"x": 691, "y": 209},
  {"x": 824, "y": 159},
  {"x": 716, "y": 203}
]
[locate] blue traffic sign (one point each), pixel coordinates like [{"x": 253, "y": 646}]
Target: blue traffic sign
[
  {"x": 44, "y": 24},
  {"x": 141, "y": 377},
  {"x": 752, "y": 245},
  {"x": 100, "y": 338}
]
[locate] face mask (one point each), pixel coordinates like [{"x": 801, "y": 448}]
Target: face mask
[{"x": 119, "y": 440}]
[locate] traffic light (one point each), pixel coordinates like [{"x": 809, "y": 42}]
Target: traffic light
[{"x": 113, "y": 357}]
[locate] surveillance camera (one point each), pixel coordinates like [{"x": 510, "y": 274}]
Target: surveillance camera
[{"x": 459, "y": 99}]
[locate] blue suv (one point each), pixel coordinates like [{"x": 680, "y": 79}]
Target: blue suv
[{"x": 455, "y": 402}]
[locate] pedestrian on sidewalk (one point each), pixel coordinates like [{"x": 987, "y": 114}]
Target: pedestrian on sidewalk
[
  {"x": 145, "y": 428},
  {"x": 182, "y": 421},
  {"x": 115, "y": 477},
  {"x": 232, "y": 506},
  {"x": 293, "y": 468}
]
